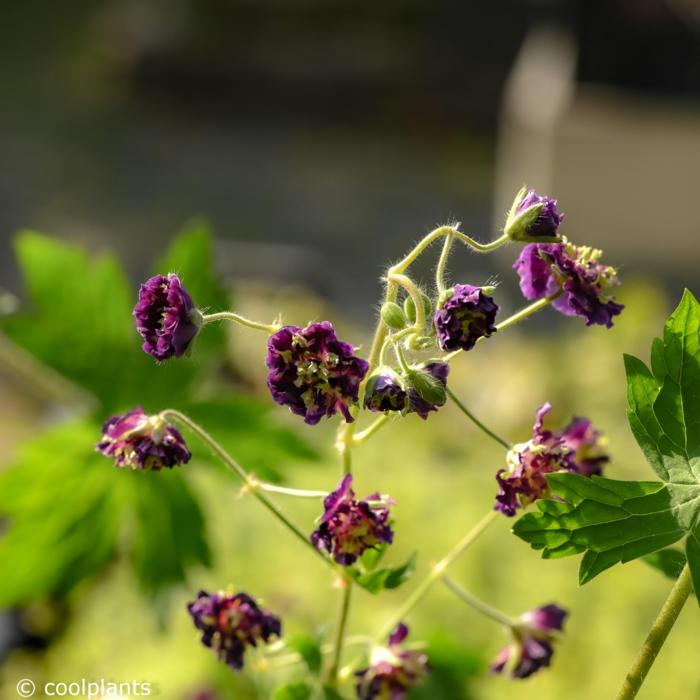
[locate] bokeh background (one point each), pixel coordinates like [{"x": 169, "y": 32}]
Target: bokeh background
[{"x": 319, "y": 140}]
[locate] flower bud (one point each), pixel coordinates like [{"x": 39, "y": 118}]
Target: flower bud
[
  {"x": 385, "y": 391},
  {"x": 410, "y": 308},
  {"x": 166, "y": 317},
  {"x": 533, "y": 217},
  {"x": 427, "y": 388},
  {"x": 393, "y": 316}
]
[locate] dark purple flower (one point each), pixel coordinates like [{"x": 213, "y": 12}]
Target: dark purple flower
[
  {"x": 385, "y": 392},
  {"x": 350, "y": 526},
  {"x": 533, "y": 216},
  {"x": 585, "y": 283},
  {"x": 229, "y": 623},
  {"x": 393, "y": 671},
  {"x": 166, "y": 317},
  {"x": 467, "y": 315},
  {"x": 428, "y": 394},
  {"x": 313, "y": 372},
  {"x": 587, "y": 447},
  {"x": 577, "y": 449},
  {"x": 533, "y": 639},
  {"x": 139, "y": 441}
]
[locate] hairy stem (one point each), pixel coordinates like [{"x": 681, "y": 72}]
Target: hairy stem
[
  {"x": 250, "y": 482},
  {"x": 342, "y": 624},
  {"x": 516, "y": 318},
  {"x": 657, "y": 636},
  {"x": 410, "y": 286},
  {"x": 477, "y": 422},
  {"x": 436, "y": 573},
  {"x": 367, "y": 433},
  {"x": 241, "y": 321},
  {"x": 297, "y": 493},
  {"x": 447, "y": 231},
  {"x": 477, "y": 604},
  {"x": 442, "y": 263}
]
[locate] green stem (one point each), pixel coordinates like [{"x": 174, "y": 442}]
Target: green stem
[
  {"x": 447, "y": 231},
  {"x": 298, "y": 493},
  {"x": 657, "y": 636},
  {"x": 528, "y": 311},
  {"x": 514, "y": 319},
  {"x": 410, "y": 286},
  {"x": 371, "y": 430},
  {"x": 477, "y": 604},
  {"x": 241, "y": 320},
  {"x": 442, "y": 263},
  {"x": 436, "y": 573},
  {"x": 251, "y": 483},
  {"x": 477, "y": 422},
  {"x": 337, "y": 652}
]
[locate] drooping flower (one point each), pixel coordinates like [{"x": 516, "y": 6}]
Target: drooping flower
[
  {"x": 579, "y": 449},
  {"x": 229, "y": 623},
  {"x": 426, "y": 390},
  {"x": 313, "y": 372},
  {"x": 385, "y": 392},
  {"x": 586, "y": 284},
  {"x": 533, "y": 216},
  {"x": 139, "y": 441},
  {"x": 532, "y": 647},
  {"x": 350, "y": 526},
  {"x": 166, "y": 317},
  {"x": 587, "y": 446},
  {"x": 393, "y": 671},
  {"x": 465, "y": 316}
]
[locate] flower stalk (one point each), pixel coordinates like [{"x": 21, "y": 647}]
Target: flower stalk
[
  {"x": 658, "y": 633},
  {"x": 252, "y": 484},
  {"x": 241, "y": 321}
]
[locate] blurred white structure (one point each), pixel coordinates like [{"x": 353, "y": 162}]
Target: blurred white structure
[{"x": 624, "y": 167}]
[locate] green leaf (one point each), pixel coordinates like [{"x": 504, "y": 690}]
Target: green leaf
[
  {"x": 614, "y": 522},
  {"x": 68, "y": 509},
  {"x": 385, "y": 579},
  {"x": 293, "y": 691},
  {"x": 310, "y": 650},
  {"x": 169, "y": 533},
  {"x": 669, "y": 562}
]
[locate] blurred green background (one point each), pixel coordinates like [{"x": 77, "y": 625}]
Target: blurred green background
[{"x": 320, "y": 140}]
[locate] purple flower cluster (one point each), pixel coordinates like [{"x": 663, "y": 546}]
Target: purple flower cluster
[
  {"x": 350, "y": 526},
  {"x": 532, "y": 646},
  {"x": 585, "y": 283},
  {"x": 166, "y": 317},
  {"x": 578, "y": 448},
  {"x": 230, "y": 623},
  {"x": 313, "y": 372},
  {"x": 533, "y": 216},
  {"x": 393, "y": 671},
  {"x": 465, "y": 316},
  {"x": 138, "y": 441}
]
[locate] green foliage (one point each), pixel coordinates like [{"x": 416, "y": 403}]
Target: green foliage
[
  {"x": 297, "y": 690},
  {"x": 616, "y": 521},
  {"x": 376, "y": 580},
  {"x": 69, "y": 511},
  {"x": 669, "y": 562},
  {"x": 310, "y": 650}
]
